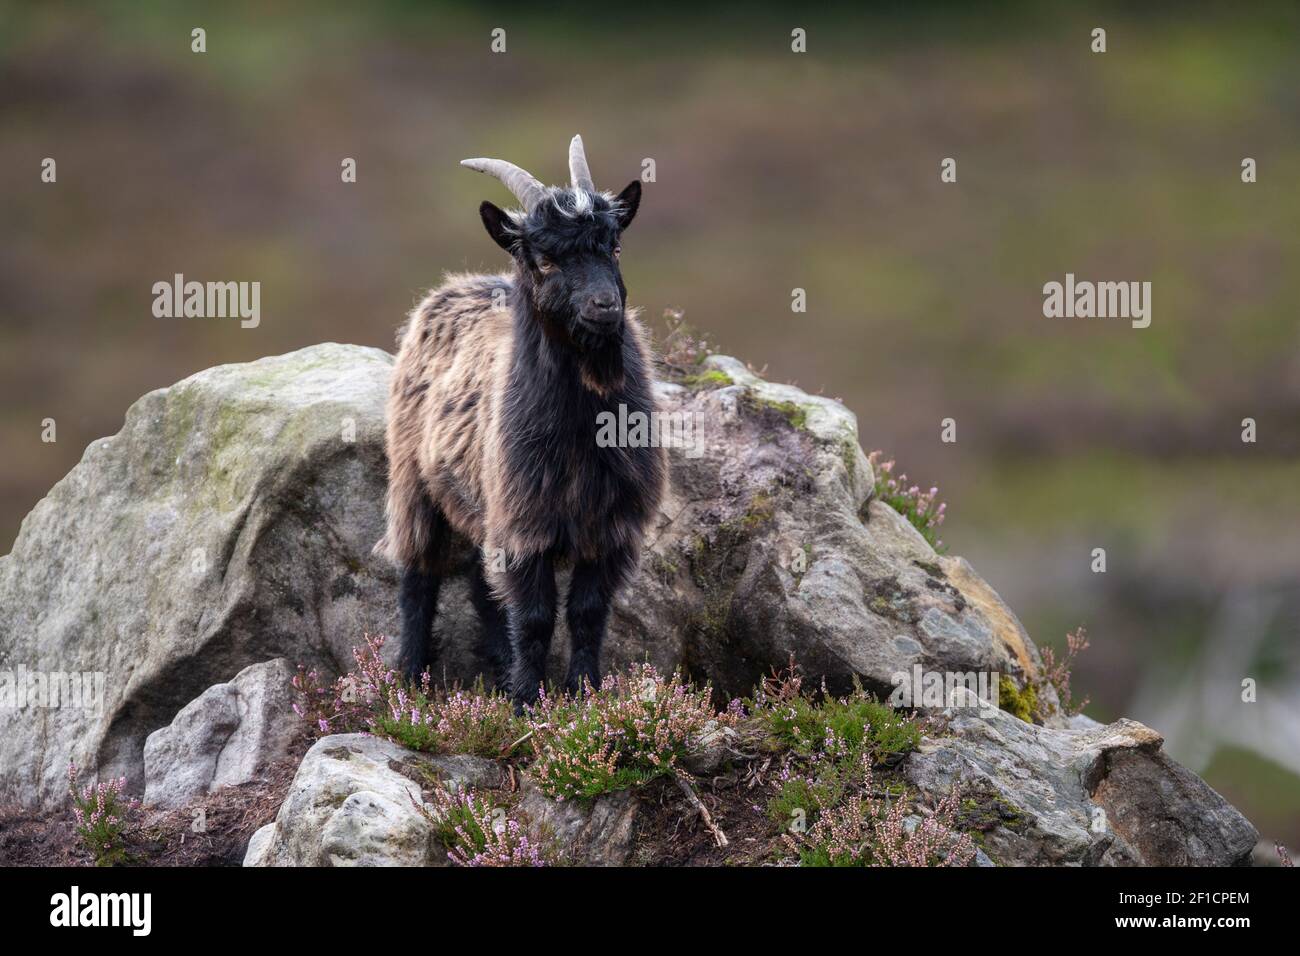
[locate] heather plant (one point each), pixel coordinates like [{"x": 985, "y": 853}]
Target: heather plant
[
  {"x": 820, "y": 776},
  {"x": 477, "y": 832},
  {"x": 102, "y": 814},
  {"x": 635, "y": 728},
  {"x": 455, "y": 721},
  {"x": 866, "y": 829},
  {"x": 803, "y": 787},
  {"x": 683, "y": 347},
  {"x": 331, "y": 708},
  {"x": 855, "y": 723},
  {"x": 920, "y": 507},
  {"x": 1057, "y": 673},
  {"x": 375, "y": 698}
]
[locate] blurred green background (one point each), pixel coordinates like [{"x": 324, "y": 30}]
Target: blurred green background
[{"x": 774, "y": 171}]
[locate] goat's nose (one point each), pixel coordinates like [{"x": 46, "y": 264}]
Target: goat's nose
[{"x": 604, "y": 301}]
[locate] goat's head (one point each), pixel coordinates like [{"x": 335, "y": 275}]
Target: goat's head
[{"x": 565, "y": 242}]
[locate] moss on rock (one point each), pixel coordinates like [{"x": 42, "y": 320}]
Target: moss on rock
[{"x": 1017, "y": 701}]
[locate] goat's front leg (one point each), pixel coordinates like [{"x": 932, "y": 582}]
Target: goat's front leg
[
  {"x": 591, "y": 591},
  {"x": 530, "y": 613}
]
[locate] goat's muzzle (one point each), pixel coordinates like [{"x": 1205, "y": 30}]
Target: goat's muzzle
[{"x": 602, "y": 314}]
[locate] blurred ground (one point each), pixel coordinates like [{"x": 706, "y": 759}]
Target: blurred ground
[{"x": 774, "y": 171}]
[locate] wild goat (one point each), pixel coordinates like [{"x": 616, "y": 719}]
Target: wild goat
[{"x": 492, "y": 420}]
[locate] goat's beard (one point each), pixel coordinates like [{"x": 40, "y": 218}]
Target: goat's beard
[
  {"x": 601, "y": 365},
  {"x": 590, "y": 340}
]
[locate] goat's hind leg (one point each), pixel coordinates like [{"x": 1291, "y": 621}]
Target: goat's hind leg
[
  {"x": 494, "y": 644},
  {"x": 418, "y": 595}
]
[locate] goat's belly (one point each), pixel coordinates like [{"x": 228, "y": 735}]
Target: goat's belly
[
  {"x": 557, "y": 526},
  {"x": 601, "y": 523},
  {"x": 572, "y": 503}
]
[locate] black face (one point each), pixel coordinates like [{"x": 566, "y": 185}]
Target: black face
[{"x": 568, "y": 254}]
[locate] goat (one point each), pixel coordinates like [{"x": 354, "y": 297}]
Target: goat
[{"x": 492, "y": 420}]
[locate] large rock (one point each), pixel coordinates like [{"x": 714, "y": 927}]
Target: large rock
[
  {"x": 223, "y": 737},
  {"x": 229, "y": 522},
  {"x": 768, "y": 545},
  {"x": 353, "y": 803},
  {"x": 1096, "y": 795},
  {"x": 232, "y": 521}
]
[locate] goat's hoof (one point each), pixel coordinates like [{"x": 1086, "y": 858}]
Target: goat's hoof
[
  {"x": 522, "y": 704},
  {"x": 525, "y": 697},
  {"x": 414, "y": 670},
  {"x": 578, "y": 682}
]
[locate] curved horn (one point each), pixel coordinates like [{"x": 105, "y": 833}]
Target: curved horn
[
  {"x": 522, "y": 183},
  {"x": 578, "y": 171}
]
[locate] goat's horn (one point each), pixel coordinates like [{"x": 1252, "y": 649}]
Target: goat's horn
[
  {"x": 522, "y": 183},
  {"x": 578, "y": 171}
]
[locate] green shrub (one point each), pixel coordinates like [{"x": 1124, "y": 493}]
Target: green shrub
[
  {"x": 809, "y": 725},
  {"x": 825, "y": 740}
]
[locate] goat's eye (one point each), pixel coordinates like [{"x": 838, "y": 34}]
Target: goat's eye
[
  {"x": 617, "y": 250},
  {"x": 544, "y": 264}
]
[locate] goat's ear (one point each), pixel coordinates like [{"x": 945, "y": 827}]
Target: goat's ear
[
  {"x": 630, "y": 199},
  {"x": 497, "y": 224}
]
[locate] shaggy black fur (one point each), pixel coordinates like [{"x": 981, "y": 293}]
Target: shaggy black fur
[
  {"x": 573, "y": 358},
  {"x": 418, "y": 595}
]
